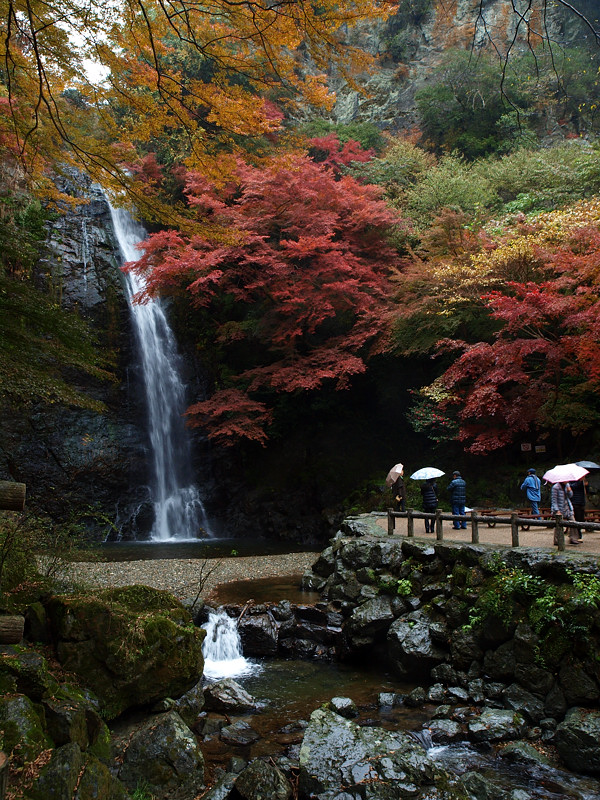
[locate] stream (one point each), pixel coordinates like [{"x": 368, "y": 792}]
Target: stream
[{"x": 287, "y": 691}]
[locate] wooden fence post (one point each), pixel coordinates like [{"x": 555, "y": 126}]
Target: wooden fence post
[
  {"x": 12, "y": 496},
  {"x": 559, "y": 532},
  {"x": 439, "y": 531},
  {"x": 391, "y": 522},
  {"x": 514, "y": 530},
  {"x": 474, "y": 528},
  {"x": 410, "y": 523}
]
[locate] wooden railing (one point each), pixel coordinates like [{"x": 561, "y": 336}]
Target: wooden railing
[{"x": 558, "y": 524}]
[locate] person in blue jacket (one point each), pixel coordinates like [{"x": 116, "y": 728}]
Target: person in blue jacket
[
  {"x": 532, "y": 485},
  {"x": 458, "y": 497}
]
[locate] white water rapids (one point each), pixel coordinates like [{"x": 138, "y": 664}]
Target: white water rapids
[
  {"x": 178, "y": 509},
  {"x": 222, "y": 649}
]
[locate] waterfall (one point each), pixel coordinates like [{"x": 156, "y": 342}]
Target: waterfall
[
  {"x": 222, "y": 648},
  {"x": 178, "y": 509}
]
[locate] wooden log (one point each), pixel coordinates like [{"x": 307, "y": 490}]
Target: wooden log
[
  {"x": 3, "y": 774},
  {"x": 12, "y": 496},
  {"x": 11, "y": 628},
  {"x": 410, "y": 523}
]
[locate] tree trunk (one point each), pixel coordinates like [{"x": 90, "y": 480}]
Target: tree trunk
[
  {"x": 11, "y": 629},
  {"x": 12, "y": 496}
]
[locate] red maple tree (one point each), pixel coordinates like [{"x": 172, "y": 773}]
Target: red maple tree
[
  {"x": 542, "y": 368},
  {"x": 289, "y": 271}
]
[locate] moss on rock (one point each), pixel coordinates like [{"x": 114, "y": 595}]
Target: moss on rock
[{"x": 132, "y": 646}]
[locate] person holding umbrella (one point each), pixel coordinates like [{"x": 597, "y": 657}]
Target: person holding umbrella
[
  {"x": 428, "y": 492},
  {"x": 395, "y": 481},
  {"x": 560, "y": 477},
  {"x": 430, "y": 500},
  {"x": 561, "y": 504}
]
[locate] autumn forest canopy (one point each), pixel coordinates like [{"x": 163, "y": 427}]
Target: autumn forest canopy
[{"x": 297, "y": 251}]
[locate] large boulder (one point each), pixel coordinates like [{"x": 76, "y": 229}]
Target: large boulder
[
  {"x": 496, "y": 725},
  {"x": 369, "y": 620},
  {"x": 132, "y": 646},
  {"x": 228, "y": 696},
  {"x": 69, "y": 773},
  {"x": 369, "y": 762},
  {"x": 578, "y": 740},
  {"x": 259, "y": 634},
  {"x": 164, "y": 753},
  {"x": 412, "y": 649}
]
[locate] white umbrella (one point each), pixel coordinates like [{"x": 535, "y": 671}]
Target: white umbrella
[
  {"x": 425, "y": 473},
  {"x": 394, "y": 473},
  {"x": 565, "y": 472}
]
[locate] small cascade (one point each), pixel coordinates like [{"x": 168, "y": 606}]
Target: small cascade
[
  {"x": 222, "y": 648},
  {"x": 178, "y": 509}
]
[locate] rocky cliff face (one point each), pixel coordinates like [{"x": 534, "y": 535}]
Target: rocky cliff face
[
  {"x": 410, "y": 45},
  {"x": 79, "y": 465}
]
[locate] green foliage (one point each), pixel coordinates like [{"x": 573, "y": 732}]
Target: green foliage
[
  {"x": 477, "y": 104},
  {"x": 365, "y": 133},
  {"x": 542, "y": 179},
  {"x": 22, "y": 221},
  {"x": 18, "y": 534},
  {"x": 557, "y": 613},
  {"x": 451, "y": 183},
  {"x": 401, "y": 166},
  {"x": 39, "y": 342},
  {"x": 428, "y": 417},
  {"x": 399, "y": 36},
  {"x": 142, "y": 792},
  {"x": 401, "y": 587},
  {"x": 463, "y": 107}
]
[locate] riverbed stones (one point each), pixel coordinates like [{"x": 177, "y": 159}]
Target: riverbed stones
[
  {"x": 372, "y": 763},
  {"x": 495, "y": 725},
  {"x": 577, "y": 739},
  {"x": 228, "y": 696},
  {"x": 344, "y": 706},
  {"x": 263, "y": 781},
  {"x": 240, "y": 734}
]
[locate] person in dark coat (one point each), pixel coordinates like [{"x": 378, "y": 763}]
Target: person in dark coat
[
  {"x": 399, "y": 492},
  {"x": 578, "y": 501},
  {"x": 429, "y": 495},
  {"x": 458, "y": 497}
]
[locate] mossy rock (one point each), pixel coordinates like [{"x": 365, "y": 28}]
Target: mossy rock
[
  {"x": 23, "y": 725},
  {"x": 72, "y": 716},
  {"x": 131, "y": 646},
  {"x": 29, "y": 671}
]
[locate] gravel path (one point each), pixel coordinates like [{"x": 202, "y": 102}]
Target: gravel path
[{"x": 184, "y": 577}]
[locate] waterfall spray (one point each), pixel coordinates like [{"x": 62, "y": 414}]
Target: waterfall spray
[{"x": 178, "y": 509}]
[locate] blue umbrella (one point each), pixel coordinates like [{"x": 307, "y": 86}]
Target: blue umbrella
[
  {"x": 588, "y": 464},
  {"x": 425, "y": 473}
]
